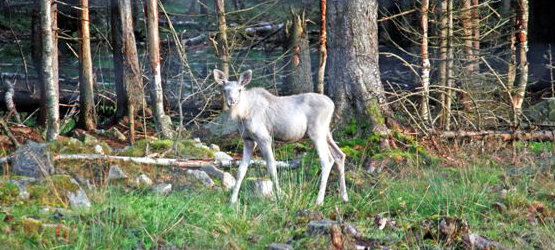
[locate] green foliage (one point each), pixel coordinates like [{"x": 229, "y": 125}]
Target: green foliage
[{"x": 67, "y": 126}]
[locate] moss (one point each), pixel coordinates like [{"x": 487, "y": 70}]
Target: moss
[
  {"x": 52, "y": 191},
  {"x": 8, "y": 193}
]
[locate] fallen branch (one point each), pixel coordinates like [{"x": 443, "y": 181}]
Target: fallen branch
[
  {"x": 9, "y": 133},
  {"x": 503, "y": 135},
  {"x": 165, "y": 161},
  {"x": 475, "y": 241}
]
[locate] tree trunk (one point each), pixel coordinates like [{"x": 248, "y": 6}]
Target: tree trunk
[
  {"x": 131, "y": 74},
  {"x": 87, "y": 113},
  {"x": 192, "y": 7},
  {"x": 450, "y": 63},
  {"x": 222, "y": 44},
  {"x": 117, "y": 46},
  {"x": 322, "y": 48},
  {"x": 442, "y": 68},
  {"x": 49, "y": 66},
  {"x": 355, "y": 85},
  {"x": 162, "y": 121},
  {"x": 223, "y": 50},
  {"x": 476, "y": 34},
  {"x": 511, "y": 67},
  {"x": 298, "y": 75},
  {"x": 424, "y": 104},
  {"x": 518, "y": 98},
  {"x": 36, "y": 55},
  {"x": 466, "y": 20}
]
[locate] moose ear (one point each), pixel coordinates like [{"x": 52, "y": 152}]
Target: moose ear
[
  {"x": 219, "y": 76},
  {"x": 245, "y": 77}
]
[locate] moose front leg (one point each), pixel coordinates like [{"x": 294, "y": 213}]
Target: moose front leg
[
  {"x": 248, "y": 148},
  {"x": 267, "y": 153}
]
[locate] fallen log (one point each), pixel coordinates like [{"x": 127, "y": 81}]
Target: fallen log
[
  {"x": 544, "y": 135},
  {"x": 163, "y": 161}
]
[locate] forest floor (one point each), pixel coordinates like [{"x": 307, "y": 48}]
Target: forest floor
[{"x": 418, "y": 195}]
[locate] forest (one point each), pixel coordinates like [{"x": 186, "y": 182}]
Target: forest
[{"x": 277, "y": 124}]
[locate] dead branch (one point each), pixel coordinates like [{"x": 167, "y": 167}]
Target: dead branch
[
  {"x": 544, "y": 135},
  {"x": 198, "y": 163}
]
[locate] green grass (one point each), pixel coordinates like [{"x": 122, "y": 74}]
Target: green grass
[{"x": 407, "y": 192}]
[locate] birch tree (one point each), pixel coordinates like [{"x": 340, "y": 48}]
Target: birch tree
[
  {"x": 162, "y": 121},
  {"x": 522, "y": 27},
  {"x": 424, "y": 107},
  {"x": 49, "y": 66}
]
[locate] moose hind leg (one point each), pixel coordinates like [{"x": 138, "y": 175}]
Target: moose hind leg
[
  {"x": 339, "y": 158},
  {"x": 327, "y": 163},
  {"x": 248, "y": 148}
]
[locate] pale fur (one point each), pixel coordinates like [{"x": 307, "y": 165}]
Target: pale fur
[{"x": 263, "y": 117}]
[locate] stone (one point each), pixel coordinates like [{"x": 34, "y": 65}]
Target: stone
[
  {"x": 98, "y": 149},
  {"x": 89, "y": 139},
  {"x": 143, "y": 181},
  {"x": 22, "y": 186},
  {"x": 320, "y": 227},
  {"x": 32, "y": 160},
  {"x": 202, "y": 177},
  {"x": 115, "y": 173},
  {"x": 215, "y": 147},
  {"x": 84, "y": 182},
  {"x": 279, "y": 246},
  {"x": 163, "y": 188},
  {"x": 78, "y": 199},
  {"x": 197, "y": 140},
  {"x": 351, "y": 230},
  {"x": 115, "y": 133},
  {"x": 543, "y": 111},
  {"x": 223, "y": 158},
  {"x": 227, "y": 180},
  {"x": 263, "y": 188}
]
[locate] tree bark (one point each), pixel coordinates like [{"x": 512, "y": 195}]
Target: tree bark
[
  {"x": 450, "y": 63},
  {"x": 49, "y": 66},
  {"x": 518, "y": 98},
  {"x": 36, "y": 55},
  {"x": 131, "y": 74},
  {"x": 8, "y": 98},
  {"x": 476, "y": 34},
  {"x": 511, "y": 67},
  {"x": 87, "y": 113},
  {"x": 424, "y": 104},
  {"x": 221, "y": 38},
  {"x": 355, "y": 85},
  {"x": 298, "y": 75},
  {"x": 117, "y": 46},
  {"x": 162, "y": 121},
  {"x": 442, "y": 68},
  {"x": 322, "y": 48}
]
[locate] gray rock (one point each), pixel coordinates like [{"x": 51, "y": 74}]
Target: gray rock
[
  {"x": 543, "y": 111},
  {"x": 279, "y": 246},
  {"x": 143, "y": 181},
  {"x": 89, "y": 139},
  {"x": 320, "y": 227},
  {"x": 197, "y": 140},
  {"x": 163, "y": 188},
  {"x": 78, "y": 199},
  {"x": 227, "y": 180},
  {"x": 32, "y": 160},
  {"x": 22, "y": 186},
  {"x": 98, "y": 149},
  {"x": 84, "y": 182},
  {"x": 201, "y": 176},
  {"x": 112, "y": 132},
  {"x": 263, "y": 188},
  {"x": 351, "y": 230},
  {"x": 215, "y": 147},
  {"x": 222, "y": 157},
  {"x": 115, "y": 173}
]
